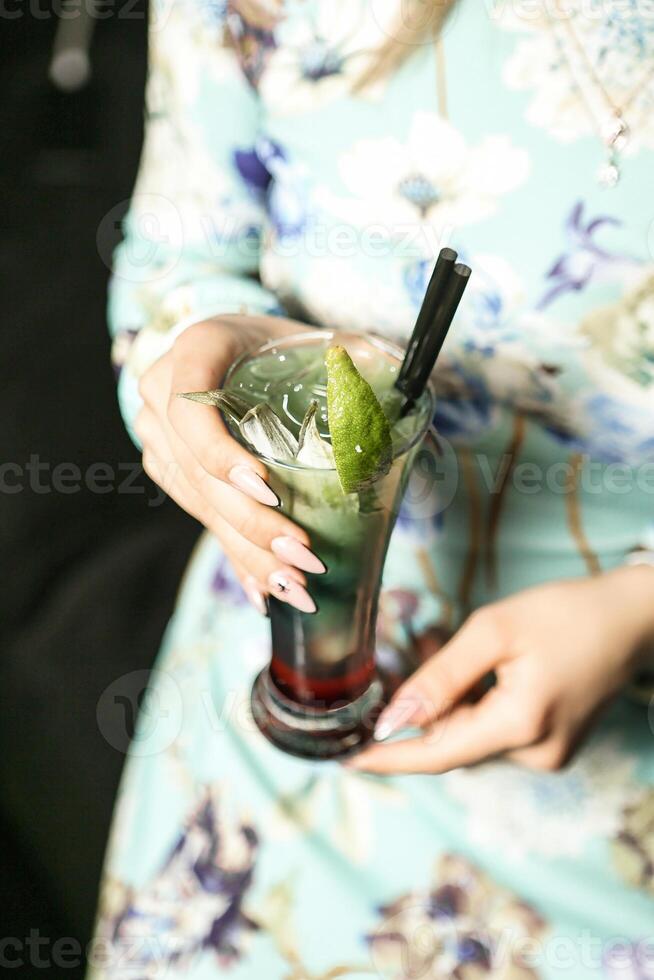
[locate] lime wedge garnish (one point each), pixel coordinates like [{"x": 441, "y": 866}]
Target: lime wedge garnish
[{"x": 359, "y": 430}]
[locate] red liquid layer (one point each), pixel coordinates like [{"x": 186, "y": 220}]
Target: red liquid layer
[{"x": 325, "y": 691}]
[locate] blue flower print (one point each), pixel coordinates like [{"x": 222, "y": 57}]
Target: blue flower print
[
  {"x": 319, "y": 60},
  {"x": 465, "y": 417},
  {"x": 416, "y": 276},
  {"x": 453, "y": 928},
  {"x": 627, "y": 26},
  {"x": 490, "y": 304},
  {"x": 604, "y": 429},
  {"x": 464, "y": 407},
  {"x": 202, "y": 882},
  {"x": 273, "y": 178},
  {"x": 616, "y": 433},
  {"x": 254, "y": 174},
  {"x": 288, "y": 204},
  {"x": 584, "y": 259},
  {"x": 225, "y": 583},
  {"x": 214, "y": 11}
]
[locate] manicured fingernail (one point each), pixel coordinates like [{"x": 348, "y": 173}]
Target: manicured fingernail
[
  {"x": 288, "y": 590},
  {"x": 399, "y": 714},
  {"x": 255, "y": 595},
  {"x": 295, "y": 553},
  {"x": 244, "y": 478}
]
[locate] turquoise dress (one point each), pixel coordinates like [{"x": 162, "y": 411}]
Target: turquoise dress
[{"x": 269, "y": 183}]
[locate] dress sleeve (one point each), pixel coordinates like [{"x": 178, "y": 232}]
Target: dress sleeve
[{"x": 193, "y": 230}]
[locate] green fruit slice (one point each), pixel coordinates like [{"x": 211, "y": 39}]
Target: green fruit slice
[{"x": 359, "y": 430}]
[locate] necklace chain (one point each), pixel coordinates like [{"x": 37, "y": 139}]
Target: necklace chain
[
  {"x": 615, "y": 134},
  {"x": 619, "y": 110}
]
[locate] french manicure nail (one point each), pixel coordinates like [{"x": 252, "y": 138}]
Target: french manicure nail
[
  {"x": 244, "y": 478},
  {"x": 288, "y": 590},
  {"x": 255, "y": 595},
  {"x": 399, "y": 714},
  {"x": 295, "y": 553}
]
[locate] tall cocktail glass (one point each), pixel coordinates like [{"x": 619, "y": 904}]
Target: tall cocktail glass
[{"x": 320, "y": 695}]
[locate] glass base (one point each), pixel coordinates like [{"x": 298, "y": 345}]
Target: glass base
[{"x": 312, "y": 733}]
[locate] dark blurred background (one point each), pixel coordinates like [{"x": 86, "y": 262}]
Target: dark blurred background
[{"x": 88, "y": 579}]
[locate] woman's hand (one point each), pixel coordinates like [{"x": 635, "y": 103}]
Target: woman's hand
[
  {"x": 560, "y": 652},
  {"x": 189, "y": 453}
]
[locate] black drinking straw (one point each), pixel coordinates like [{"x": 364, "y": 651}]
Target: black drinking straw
[
  {"x": 446, "y": 286},
  {"x": 430, "y": 303}
]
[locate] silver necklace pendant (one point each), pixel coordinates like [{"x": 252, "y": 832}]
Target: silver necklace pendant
[
  {"x": 616, "y": 136},
  {"x": 608, "y": 174},
  {"x": 616, "y": 133}
]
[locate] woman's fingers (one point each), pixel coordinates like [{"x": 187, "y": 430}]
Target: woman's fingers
[
  {"x": 199, "y": 362},
  {"x": 513, "y": 716},
  {"x": 549, "y": 755},
  {"x": 189, "y": 452},
  {"x": 260, "y": 572},
  {"x": 467, "y": 735},
  {"x": 556, "y": 743},
  {"x": 281, "y": 580},
  {"x": 202, "y": 429},
  {"x": 258, "y": 568},
  {"x": 443, "y": 680},
  {"x": 262, "y": 526}
]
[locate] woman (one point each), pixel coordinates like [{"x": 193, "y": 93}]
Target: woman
[{"x": 304, "y": 162}]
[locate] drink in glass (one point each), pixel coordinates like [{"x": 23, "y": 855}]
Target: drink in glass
[{"x": 320, "y": 695}]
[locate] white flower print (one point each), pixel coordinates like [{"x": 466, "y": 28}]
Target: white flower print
[
  {"x": 501, "y": 349},
  {"x": 339, "y": 295},
  {"x": 610, "y": 429},
  {"x": 430, "y": 181},
  {"x": 620, "y": 345},
  {"x": 496, "y": 292},
  {"x": 551, "y": 814},
  {"x": 517, "y": 375},
  {"x": 187, "y": 49},
  {"x": 320, "y": 56},
  {"x": 184, "y": 55},
  {"x": 618, "y": 41},
  {"x": 204, "y": 211}
]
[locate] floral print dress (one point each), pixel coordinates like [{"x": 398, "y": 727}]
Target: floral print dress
[{"x": 269, "y": 183}]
